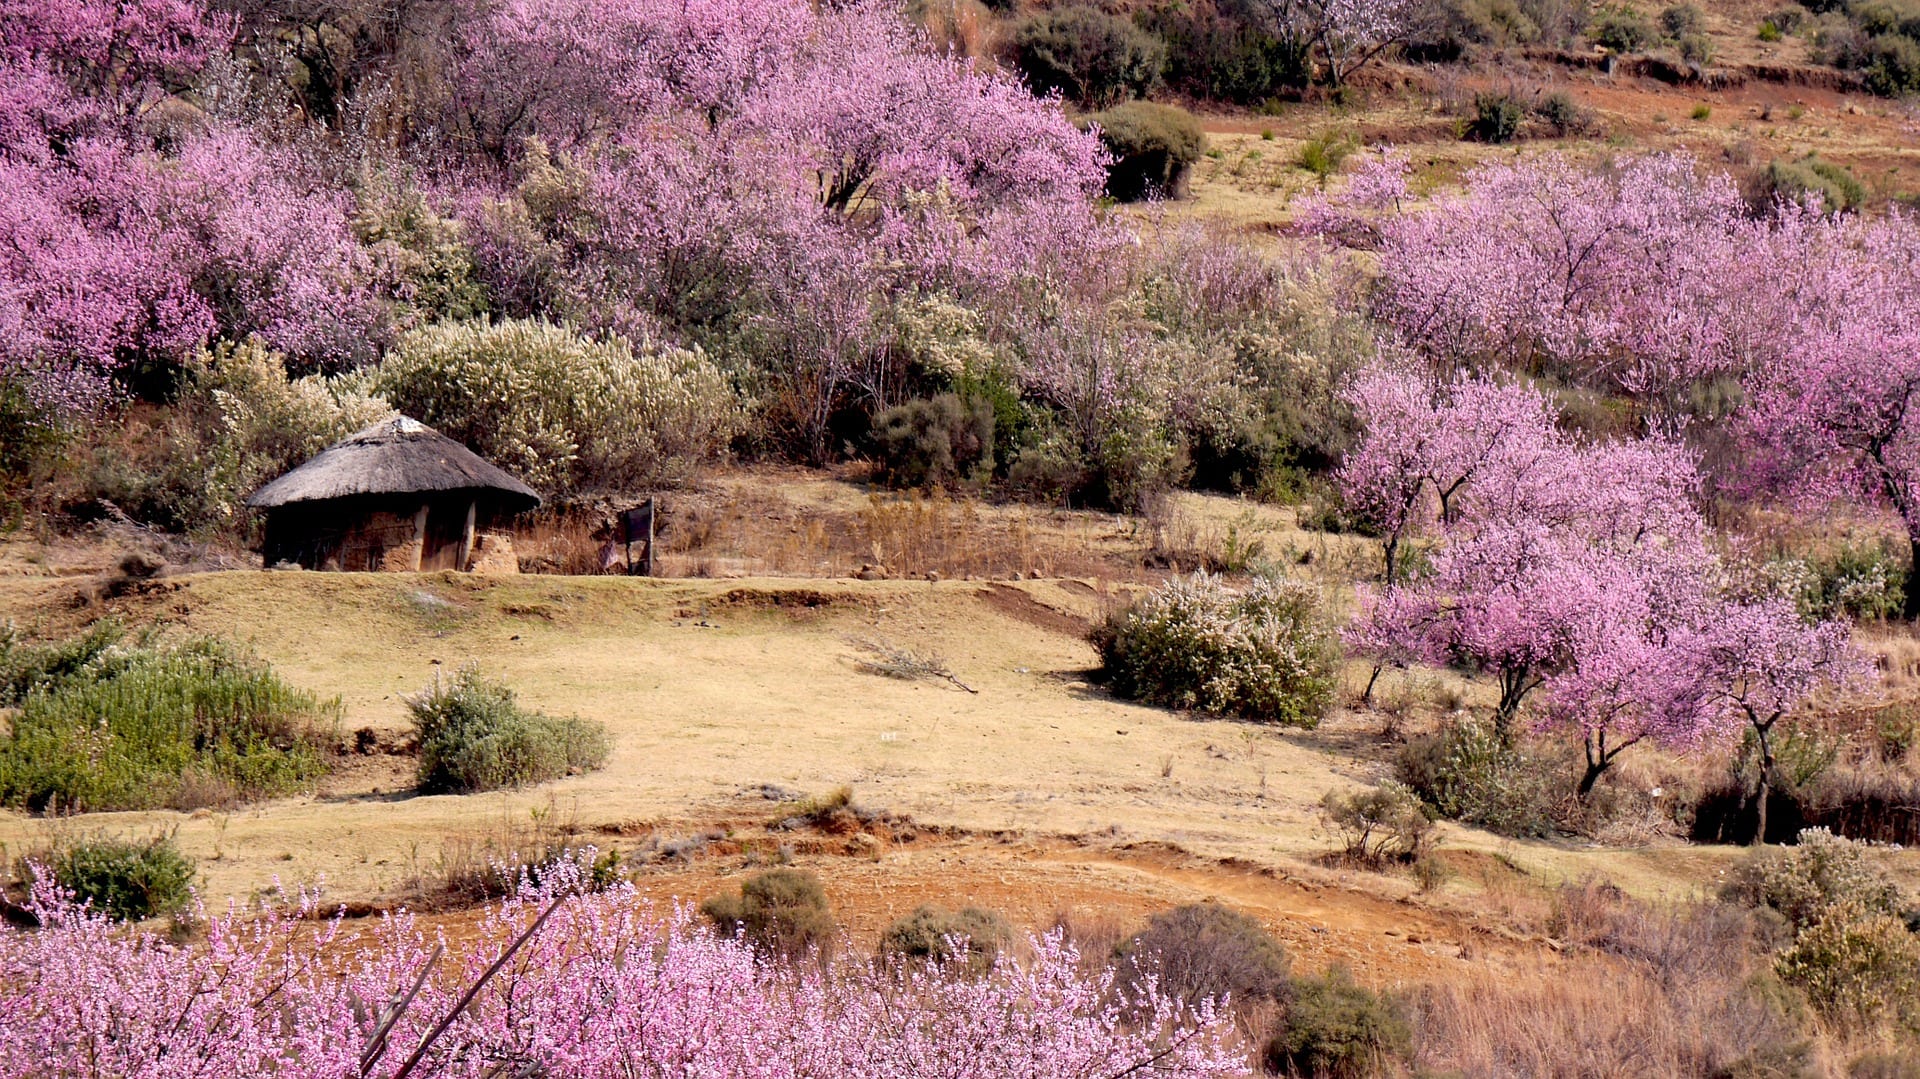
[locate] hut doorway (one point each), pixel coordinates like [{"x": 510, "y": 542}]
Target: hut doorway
[{"x": 448, "y": 536}]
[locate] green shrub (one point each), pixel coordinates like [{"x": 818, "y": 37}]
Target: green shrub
[
  {"x": 782, "y": 912},
  {"x": 1093, "y": 59},
  {"x": 1467, "y": 773},
  {"x": 1154, "y": 147},
  {"x": 1801, "y": 181},
  {"x": 139, "y": 725},
  {"x": 1788, "y": 18},
  {"x": 124, "y": 880},
  {"x": 1226, "y": 52},
  {"x": 238, "y": 421},
  {"x": 1819, "y": 872},
  {"x": 25, "y": 667},
  {"x": 1856, "y": 963},
  {"x": 1496, "y": 118},
  {"x": 1858, "y": 581},
  {"x": 1769, "y": 31},
  {"x": 1622, "y": 29},
  {"x": 475, "y": 736},
  {"x": 1338, "y": 1029},
  {"x": 1206, "y": 951},
  {"x": 1876, "y": 17},
  {"x": 1562, "y": 115},
  {"x": 1382, "y": 824},
  {"x": 1696, "y": 49},
  {"x": 1323, "y": 154},
  {"x": 1893, "y": 65},
  {"x": 1680, "y": 20},
  {"x": 571, "y": 415},
  {"x": 1266, "y": 654},
  {"x": 423, "y": 261},
  {"x": 973, "y": 936},
  {"x": 942, "y": 441},
  {"x": 31, "y": 437}
]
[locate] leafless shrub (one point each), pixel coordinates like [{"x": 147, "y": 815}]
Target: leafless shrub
[{"x": 907, "y": 664}]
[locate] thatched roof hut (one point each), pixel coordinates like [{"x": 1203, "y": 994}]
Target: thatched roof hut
[{"x": 395, "y": 496}]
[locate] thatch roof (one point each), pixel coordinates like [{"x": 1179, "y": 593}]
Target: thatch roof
[{"x": 393, "y": 457}]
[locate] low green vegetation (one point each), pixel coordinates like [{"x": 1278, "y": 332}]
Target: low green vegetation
[
  {"x": 122, "y": 879},
  {"x": 782, "y": 912},
  {"x": 971, "y": 936},
  {"x": 107, "y": 722},
  {"x": 475, "y": 735},
  {"x": 1340, "y": 1029},
  {"x": 1267, "y": 654},
  {"x": 1154, "y": 147},
  {"x": 1208, "y": 951},
  {"x": 1466, "y": 772}
]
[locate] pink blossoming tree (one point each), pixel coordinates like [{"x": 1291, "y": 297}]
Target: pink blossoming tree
[{"x": 561, "y": 983}]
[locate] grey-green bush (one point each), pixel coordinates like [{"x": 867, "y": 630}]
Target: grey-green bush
[
  {"x": 1266, "y": 654},
  {"x": 1092, "y": 58},
  {"x": 1496, "y": 118},
  {"x": 1893, "y": 65},
  {"x": 474, "y": 736},
  {"x": 1206, "y": 951},
  {"x": 783, "y": 912},
  {"x": 973, "y": 936},
  {"x": 1382, "y": 824},
  {"x": 570, "y": 414},
  {"x": 1680, "y": 20},
  {"x": 945, "y": 440},
  {"x": 1803, "y": 882},
  {"x": 1836, "y": 188},
  {"x": 1468, "y": 774},
  {"x": 1227, "y": 51},
  {"x": 1154, "y": 147},
  {"x": 105, "y": 723},
  {"x": 1338, "y": 1029},
  {"x": 122, "y": 879},
  {"x": 1622, "y": 29}
]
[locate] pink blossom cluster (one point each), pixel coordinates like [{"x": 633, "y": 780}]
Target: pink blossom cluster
[
  {"x": 603, "y": 986},
  {"x": 773, "y": 171},
  {"x": 1579, "y": 569},
  {"x": 1651, "y": 276},
  {"x": 123, "y": 238},
  {"x": 1627, "y": 277}
]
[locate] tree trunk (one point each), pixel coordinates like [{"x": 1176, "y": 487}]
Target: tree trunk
[
  {"x": 1393, "y": 549},
  {"x": 1513, "y": 689},
  {"x": 1367, "y": 696},
  {"x": 1591, "y": 776},
  {"x": 1766, "y": 782}
]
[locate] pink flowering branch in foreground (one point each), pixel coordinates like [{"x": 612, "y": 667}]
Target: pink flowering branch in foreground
[{"x": 561, "y": 983}]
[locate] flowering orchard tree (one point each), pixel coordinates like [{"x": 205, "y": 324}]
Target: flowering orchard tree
[
  {"x": 1637, "y": 278},
  {"x": 1346, "y": 35},
  {"x": 1426, "y": 440},
  {"x": 777, "y": 172},
  {"x": 1581, "y": 571},
  {"x": 1834, "y": 415},
  {"x": 119, "y": 246},
  {"x": 560, "y": 983},
  {"x": 1760, "y": 663}
]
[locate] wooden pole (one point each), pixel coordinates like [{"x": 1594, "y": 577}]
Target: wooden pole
[{"x": 466, "y": 538}]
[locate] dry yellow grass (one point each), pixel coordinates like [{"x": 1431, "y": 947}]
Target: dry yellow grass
[{"x": 714, "y": 688}]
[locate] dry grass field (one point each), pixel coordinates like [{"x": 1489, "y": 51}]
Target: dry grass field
[{"x": 1015, "y": 784}]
